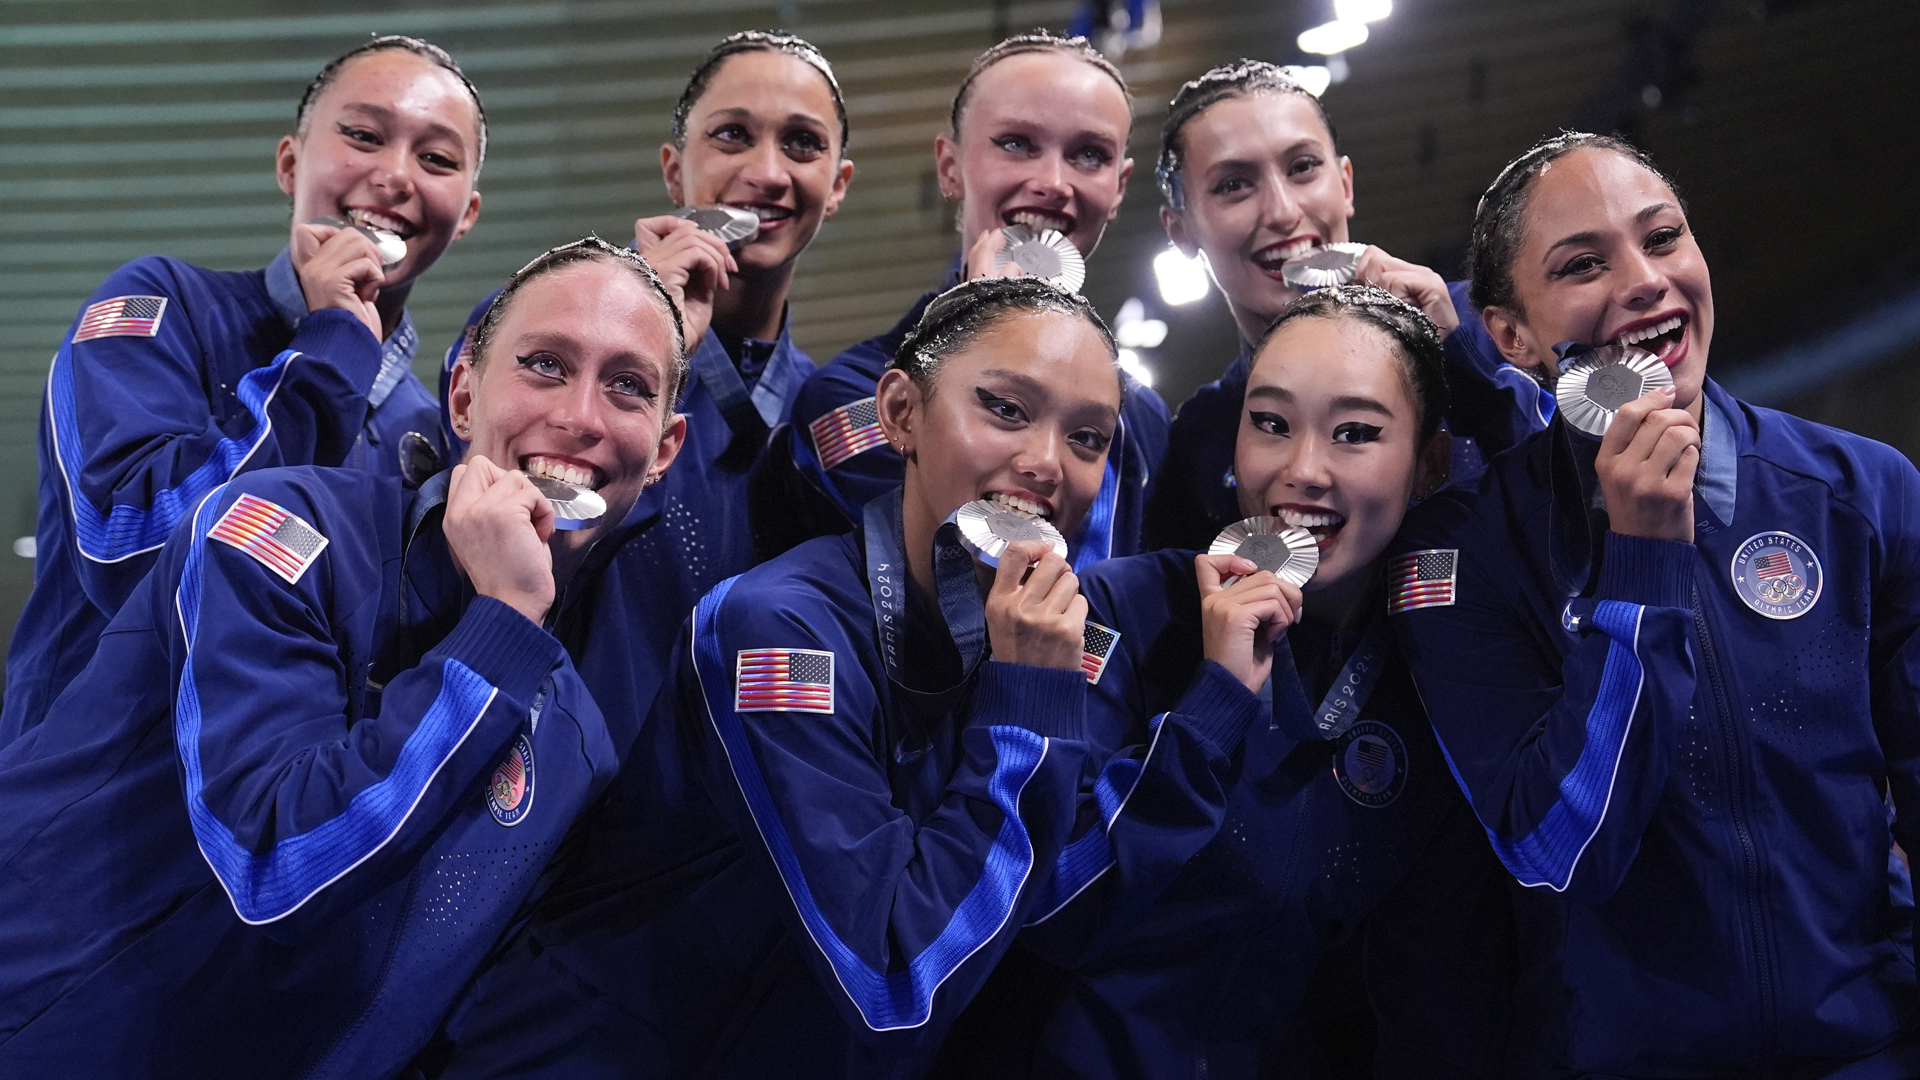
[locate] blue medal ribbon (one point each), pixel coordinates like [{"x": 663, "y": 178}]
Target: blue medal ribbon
[
  {"x": 1341, "y": 706},
  {"x": 888, "y": 581}
]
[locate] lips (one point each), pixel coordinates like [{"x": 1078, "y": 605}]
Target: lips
[
  {"x": 376, "y": 219},
  {"x": 1663, "y": 335},
  {"x": 576, "y": 473},
  {"x": 1321, "y": 522},
  {"x": 1036, "y": 506},
  {"x": 769, "y": 214},
  {"x": 1040, "y": 220},
  {"x": 1270, "y": 258}
]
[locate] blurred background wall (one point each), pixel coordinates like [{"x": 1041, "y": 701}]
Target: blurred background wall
[{"x": 1793, "y": 128}]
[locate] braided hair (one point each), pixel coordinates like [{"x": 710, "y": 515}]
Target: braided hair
[
  {"x": 1035, "y": 41},
  {"x": 426, "y": 50},
  {"x": 1416, "y": 340},
  {"x": 956, "y": 319},
  {"x": 1242, "y": 78},
  {"x": 755, "y": 41}
]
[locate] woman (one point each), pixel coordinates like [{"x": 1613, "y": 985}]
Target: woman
[
  {"x": 176, "y": 378},
  {"x": 1252, "y": 176},
  {"x": 1671, "y": 668},
  {"x": 1038, "y": 138},
  {"x": 760, "y": 127},
  {"x": 845, "y": 807},
  {"x": 1278, "y": 791},
  {"x": 317, "y": 765}
]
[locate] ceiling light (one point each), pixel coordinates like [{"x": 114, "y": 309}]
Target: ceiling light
[
  {"x": 1362, "y": 11},
  {"x": 1131, "y": 363},
  {"x": 1313, "y": 78},
  {"x": 1334, "y": 37},
  {"x": 1182, "y": 280}
]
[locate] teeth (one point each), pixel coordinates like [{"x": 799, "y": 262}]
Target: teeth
[
  {"x": 576, "y": 475},
  {"x": 1039, "y": 222},
  {"x": 765, "y": 213},
  {"x": 1293, "y": 249},
  {"x": 379, "y": 221},
  {"x": 1023, "y": 505},
  {"x": 1645, "y": 332},
  {"x": 1300, "y": 519}
]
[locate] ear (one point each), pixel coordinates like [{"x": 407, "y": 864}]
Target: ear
[
  {"x": 1346, "y": 185},
  {"x": 899, "y": 405},
  {"x": 946, "y": 166},
  {"x": 460, "y": 398},
  {"x": 467, "y": 219},
  {"x": 672, "y": 438},
  {"x": 1176, "y": 226},
  {"x": 284, "y": 158},
  {"x": 1509, "y": 335},
  {"x": 842, "y": 176},
  {"x": 1430, "y": 470},
  {"x": 1126, "y": 173},
  {"x": 670, "y": 164}
]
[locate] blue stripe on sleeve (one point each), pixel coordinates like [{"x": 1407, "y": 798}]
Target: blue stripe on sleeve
[
  {"x": 1549, "y": 853},
  {"x": 127, "y": 530},
  {"x": 1083, "y": 861},
  {"x": 887, "y": 1000},
  {"x": 1094, "y": 541},
  {"x": 267, "y": 887}
]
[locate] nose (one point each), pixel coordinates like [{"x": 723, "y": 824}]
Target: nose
[
  {"x": 1307, "y": 467},
  {"x": 1049, "y": 178},
  {"x": 1641, "y": 283},
  {"x": 762, "y": 169},
  {"x": 1039, "y": 458},
  {"x": 578, "y": 411},
  {"x": 1279, "y": 211},
  {"x": 393, "y": 172}
]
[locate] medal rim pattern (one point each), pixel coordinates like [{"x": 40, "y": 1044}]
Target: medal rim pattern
[
  {"x": 1301, "y": 275},
  {"x": 1813, "y": 590},
  {"x": 570, "y": 512},
  {"x": 740, "y": 228},
  {"x": 1073, "y": 265},
  {"x": 1396, "y": 747},
  {"x": 1230, "y": 541},
  {"x": 972, "y": 517},
  {"x": 1570, "y": 389}
]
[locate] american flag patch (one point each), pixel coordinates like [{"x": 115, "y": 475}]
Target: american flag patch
[
  {"x": 1773, "y": 564},
  {"x": 280, "y": 541},
  {"x": 1096, "y": 644},
  {"x": 783, "y": 680},
  {"x": 1422, "y": 579},
  {"x": 122, "y": 316},
  {"x": 846, "y": 431}
]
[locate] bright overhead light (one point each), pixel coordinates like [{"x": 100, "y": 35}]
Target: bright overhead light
[
  {"x": 1334, "y": 37},
  {"x": 1362, "y": 11},
  {"x": 1313, "y": 78},
  {"x": 1140, "y": 334},
  {"x": 1182, "y": 280},
  {"x": 1131, "y": 363}
]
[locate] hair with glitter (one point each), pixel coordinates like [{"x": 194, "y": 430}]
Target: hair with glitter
[
  {"x": 956, "y": 319},
  {"x": 426, "y": 50},
  {"x": 755, "y": 41},
  {"x": 1037, "y": 41},
  {"x": 1415, "y": 339},
  {"x": 1242, "y": 78},
  {"x": 587, "y": 249},
  {"x": 1499, "y": 221}
]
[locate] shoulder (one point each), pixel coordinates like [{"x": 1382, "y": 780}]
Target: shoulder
[
  {"x": 1869, "y": 476},
  {"x": 339, "y": 502},
  {"x": 1514, "y": 488},
  {"x": 1141, "y": 592},
  {"x": 1209, "y": 404},
  {"x": 819, "y": 582}
]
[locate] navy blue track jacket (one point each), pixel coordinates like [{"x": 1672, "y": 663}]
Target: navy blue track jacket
[
  {"x": 1236, "y": 845},
  {"x": 832, "y": 460},
  {"x": 172, "y": 380},
  {"x": 1494, "y": 406},
  {"x": 1685, "y": 751},
  {"x": 303, "y": 789},
  {"x": 816, "y": 862}
]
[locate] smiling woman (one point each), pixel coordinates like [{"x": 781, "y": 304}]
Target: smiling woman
[
  {"x": 334, "y": 705},
  {"x": 175, "y": 378},
  {"x": 1039, "y": 139}
]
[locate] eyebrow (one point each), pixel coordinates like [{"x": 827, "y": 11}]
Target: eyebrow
[
  {"x": 559, "y": 340},
  {"x": 740, "y": 113},
  {"x": 1028, "y": 384},
  {"x": 386, "y": 116},
  {"x": 1591, "y": 237},
  {"x": 1345, "y": 403},
  {"x": 1306, "y": 144}
]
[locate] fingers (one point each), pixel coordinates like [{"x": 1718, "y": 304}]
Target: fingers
[
  {"x": 1029, "y": 567},
  {"x": 1417, "y": 285},
  {"x": 980, "y": 256},
  {"x": 1642, "y": 426},
  {"x": 1213, "y": 572}
]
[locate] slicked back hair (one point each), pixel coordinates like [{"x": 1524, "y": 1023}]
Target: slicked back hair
[
  {"x": 1242, "y": 78},
  {"x": 755, "y": 41},
  {"x": 956, "y": 319},
  {"x": 1416, "y": 341},
  {"x": 426, "y": 50},
  {"x": 1037, "y": 41}
]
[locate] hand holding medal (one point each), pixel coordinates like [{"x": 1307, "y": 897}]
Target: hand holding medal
[
  {"x": 1242, "y": 612},
  {"x": 574, "y": 506},
  {"x": 1045, "y": 254},
  {"x": 1649, "y": 448}
]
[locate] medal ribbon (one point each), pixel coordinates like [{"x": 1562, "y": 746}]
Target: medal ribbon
[
  {"x": 1341, "y": 706},
  {"x": 888, "y": 581},
  {"x": 716, "y": 371}
]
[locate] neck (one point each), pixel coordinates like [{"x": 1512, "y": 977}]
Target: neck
[
  {"x": 1344, "y": 605},
  {"x": 754, "y": 303},
  {"x": 1251, "y": 324},
  {"x": 391, "y": 304}
]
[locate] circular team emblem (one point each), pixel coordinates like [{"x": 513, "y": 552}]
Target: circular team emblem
[
  {"x": 1777, "y": 575},
  {"x": 1370, "y": 762},
  {"x": 510, "y": 788}
]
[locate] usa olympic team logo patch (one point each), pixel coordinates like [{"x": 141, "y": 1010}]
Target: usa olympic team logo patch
[
  {"x": 1370, "y": 762},
  {"x": 510, "y": 788},
  {"x": 1777, "y": 575}
]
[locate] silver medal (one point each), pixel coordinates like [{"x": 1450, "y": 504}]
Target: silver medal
[
  {"x": 1323, "y": 268},
  {"x": 392, "y": 249},
  {"x": 987, "y": 527},
  {"x": 731, "y": 224},
  {"x": 1046, "y": 255},
  {"x": 1597, "y": 383},
  {"x": 1291, "y": 554},
  {"x": 573, "y": 507}
]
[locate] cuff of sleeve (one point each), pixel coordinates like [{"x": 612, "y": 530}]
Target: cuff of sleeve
[
  {"x": 1652, "y": 573},
  {"x": 1047, "y": 701},
  {"x": 336, "y": 337},
  {"x": 1218, "y": 707},
  {"x": 503, "y": 647}
]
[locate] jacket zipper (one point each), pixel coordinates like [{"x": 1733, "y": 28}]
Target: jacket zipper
[{"x": 1737, "y": 809}]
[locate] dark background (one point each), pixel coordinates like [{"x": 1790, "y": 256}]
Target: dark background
[{"x": 1791, "y": 126}]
